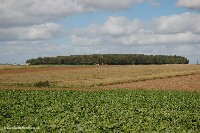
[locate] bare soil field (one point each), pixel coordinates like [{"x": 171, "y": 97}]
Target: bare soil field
[{"x": 92, "y": 78}]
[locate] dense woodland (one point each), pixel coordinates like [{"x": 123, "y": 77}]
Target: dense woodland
[{"x": 109, "y": 59}]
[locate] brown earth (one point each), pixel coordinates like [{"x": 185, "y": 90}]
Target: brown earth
[{"x": 183, "y": 83}]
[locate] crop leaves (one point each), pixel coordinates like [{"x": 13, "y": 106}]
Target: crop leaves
[{"x": 103, "y": 111}]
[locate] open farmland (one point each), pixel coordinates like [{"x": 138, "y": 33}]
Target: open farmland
[
  {"x": 34, "y": 109},
  {"x": 98, "y": 77}
]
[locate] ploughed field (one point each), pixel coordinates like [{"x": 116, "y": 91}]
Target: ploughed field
[{"x": 180, "y": 77}]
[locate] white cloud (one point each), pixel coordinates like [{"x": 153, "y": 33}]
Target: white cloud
[
  {"x": 186, "y": 22},
  {"x": 109, "y": 4},
  {"x": 31, "y": 33},
  {"x": 190, "y": 4},
  {"x": 26, "y": 12},
  {"x": 35, "y": 19},
  {"x": 138, "y": 39},
  {"x": 175, "y": 29},
  {"x": 114, "y": 26},
  {"x": 120, "y": 26}
]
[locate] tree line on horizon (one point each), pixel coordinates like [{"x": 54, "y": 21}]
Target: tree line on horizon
[{"x": 109, "y": 59}]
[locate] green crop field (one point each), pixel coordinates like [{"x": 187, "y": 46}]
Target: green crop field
[{"x": 100, "y": 111}]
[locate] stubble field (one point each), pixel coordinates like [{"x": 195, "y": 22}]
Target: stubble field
[{"x": 98, "y": 77}]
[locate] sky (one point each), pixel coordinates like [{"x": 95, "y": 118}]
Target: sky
[{"x": 47, "y": 28}]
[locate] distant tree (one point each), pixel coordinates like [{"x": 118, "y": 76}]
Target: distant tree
[{"x": 110, "y": 59}]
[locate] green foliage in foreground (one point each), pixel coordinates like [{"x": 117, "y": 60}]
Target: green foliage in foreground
[{"x": 103, "y": 111}]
